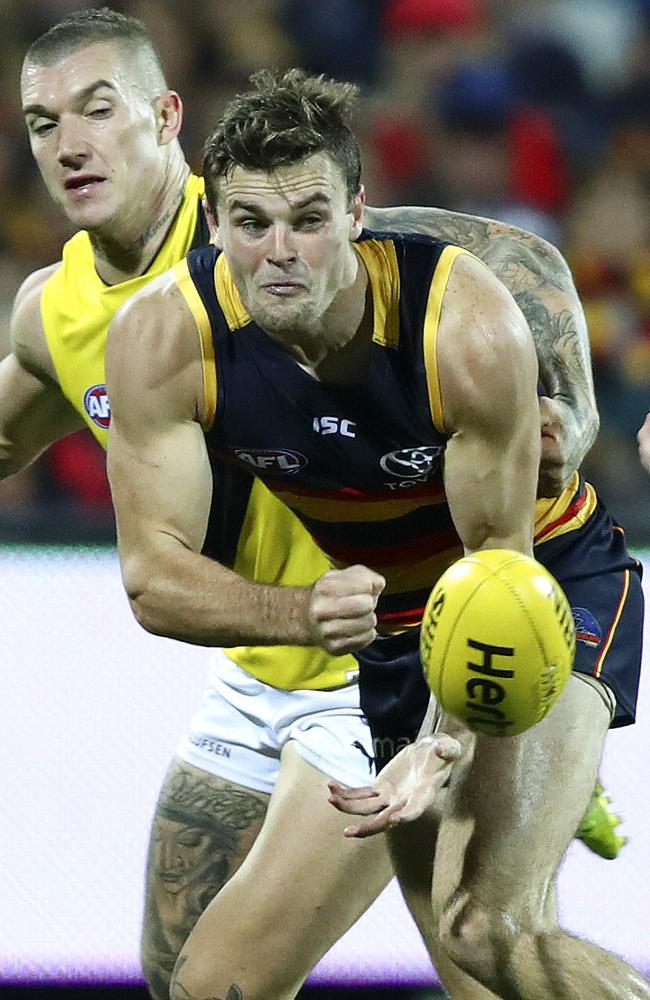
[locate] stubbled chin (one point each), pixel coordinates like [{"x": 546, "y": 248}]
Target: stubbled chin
[{"x": 285, "y": 318}]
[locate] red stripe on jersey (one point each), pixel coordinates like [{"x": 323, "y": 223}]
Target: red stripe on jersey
[
  {"x": 394, "y": 554},
  {"x": 429, "y": 491},
  {"x": 570, "y": 512}
]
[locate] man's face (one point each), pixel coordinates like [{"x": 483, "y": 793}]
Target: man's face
[
  {"x": 287, "y": 238},
  {"x": 92, "y": 129}
]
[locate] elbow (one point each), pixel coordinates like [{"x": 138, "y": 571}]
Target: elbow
[
  {"x": 143, "y": 595},
  {"x": 143, "y": 609}
]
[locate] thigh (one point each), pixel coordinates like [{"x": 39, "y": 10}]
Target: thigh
[
  {"x": 514, "y": 810},
  {"x": 301, "y": 887},
  {"x": 203, "y": 828}
]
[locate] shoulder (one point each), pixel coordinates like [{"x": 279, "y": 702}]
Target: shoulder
[
  {"x": 27, "y": 334},
  {"x": 153, "y": 352},
  {"x": 484, "y": 346}
]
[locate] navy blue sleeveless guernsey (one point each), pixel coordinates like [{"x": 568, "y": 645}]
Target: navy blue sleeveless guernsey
[{"x": 360, "y": 465}]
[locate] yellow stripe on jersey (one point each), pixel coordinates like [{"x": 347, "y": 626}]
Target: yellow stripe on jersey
[
  {"x": 431, "y": 325},
  {"x": 404, "y": 579},
  {"x": 195, "y": 304},
  {"x": 330, "y": 509},
  {"x": 274, "y": 547},
  {"x": 380, "y": 261},
  {"x": 229, "y": 299},
  {"x": 553, "y": 516},
  {"x": 617, "y": 617}
]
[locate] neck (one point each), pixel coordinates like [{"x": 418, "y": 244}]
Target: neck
[
  {"x": 342, "y": 326},
  {"x": 119, "y": 257}
]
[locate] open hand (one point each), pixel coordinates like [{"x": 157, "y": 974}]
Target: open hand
[{"x": 404, "y": 790}]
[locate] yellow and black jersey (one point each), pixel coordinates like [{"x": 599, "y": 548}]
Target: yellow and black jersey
[
  {"x": 361, "y": 465},
  {"x": 250, "y": 530},
  {"x": 77, "y": 308}
]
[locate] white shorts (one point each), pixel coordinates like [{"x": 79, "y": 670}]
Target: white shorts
[{"x": 242, "y": 725}]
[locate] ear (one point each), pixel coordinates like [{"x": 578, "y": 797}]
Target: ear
[
  {"x": 168, "y": 109},
  {"x": 213, "y": 225},
  {"x": 357, "y": 214}
]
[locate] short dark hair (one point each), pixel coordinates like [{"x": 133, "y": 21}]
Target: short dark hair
[
  {"x": 99, "y": 24},
  {"x": 284, "y": 119}
]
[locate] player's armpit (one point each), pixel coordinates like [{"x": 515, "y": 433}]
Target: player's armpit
[{"x": 487, "y": 373}]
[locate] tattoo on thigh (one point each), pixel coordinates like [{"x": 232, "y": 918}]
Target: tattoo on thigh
[
  {"x": 180, "y": 992},
  {"x": 200, "y": 834}
]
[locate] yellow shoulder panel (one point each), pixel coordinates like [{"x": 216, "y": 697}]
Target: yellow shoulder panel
[
  {"x": 195, "y": 304},
  {"x": 233, "y": 308},
  {"x": 381, "y": 264},
  {"x": 431, "y": 326}
]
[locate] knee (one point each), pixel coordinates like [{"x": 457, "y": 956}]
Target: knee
[
  {"x": 477, "y": 939},
  {"x": 196, "y": 976}
]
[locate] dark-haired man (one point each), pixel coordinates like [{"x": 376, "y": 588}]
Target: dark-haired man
[
  {"x": 340, "y": 366},
  {"x": 103, "y": 126}
]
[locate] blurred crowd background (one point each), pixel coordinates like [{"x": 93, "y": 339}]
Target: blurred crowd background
[{"x": 536, "y": 112}]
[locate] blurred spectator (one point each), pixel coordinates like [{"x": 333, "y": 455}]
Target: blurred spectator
[{"x": 340, "y": 38}]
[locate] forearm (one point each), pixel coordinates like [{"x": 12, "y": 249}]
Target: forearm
[{"x": 183, "y": 595}]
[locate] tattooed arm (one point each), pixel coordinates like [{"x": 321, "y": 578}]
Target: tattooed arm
[{"x": 539, "y": 278}]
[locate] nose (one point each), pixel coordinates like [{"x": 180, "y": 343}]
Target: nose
[
  {"x": 281, "y": 249},
  {"x": 73, "y": 149}
]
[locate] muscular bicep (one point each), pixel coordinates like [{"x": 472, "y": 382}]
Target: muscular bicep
[
  {"x": 158, "y": 466},
  {"x": 488, "y": 376},
  {"x": 539, "y": 278}
]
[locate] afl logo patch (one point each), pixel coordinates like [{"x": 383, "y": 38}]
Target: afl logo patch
[
  {"x": 272, "y": 460},
  {"x": 97, "y": 406},
  {"x": 587, "y": 628},
  {"x": 412, "y": 463}
]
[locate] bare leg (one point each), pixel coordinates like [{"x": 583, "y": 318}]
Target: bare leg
[
  {"x": 301, "y": 887},
  {"x": 203, "y": 829},
  {"x": 509, "y": 819},
  {"x": 412, "y": 849}
]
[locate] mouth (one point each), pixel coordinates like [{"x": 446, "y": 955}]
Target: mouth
[
  {"x": 82, "y": 184},
  {"x": 283, "y": 288},
  {"x": 169, "y": 878}
]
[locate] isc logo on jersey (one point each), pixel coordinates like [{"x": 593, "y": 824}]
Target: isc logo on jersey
[
  {"x": 272, "y": 460},
  {"x": 97, "y": 406}
]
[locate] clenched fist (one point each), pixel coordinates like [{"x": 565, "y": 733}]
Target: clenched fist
[{"x": 341, "y": 610}]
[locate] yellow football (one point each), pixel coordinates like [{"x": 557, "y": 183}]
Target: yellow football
[{"x": 497, "y": 641}]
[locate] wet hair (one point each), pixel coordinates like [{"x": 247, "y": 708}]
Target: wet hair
[
  {"x": 285, "y": 118},
  {"x": 100, "y": 24}
]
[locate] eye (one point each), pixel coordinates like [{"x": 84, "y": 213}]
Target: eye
[
  {"x": 252, "y": 226},
  {"x": 101, "y": 111},
  {"x": 41, "y": 127},
  {"x": 311, "y": 221}
]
